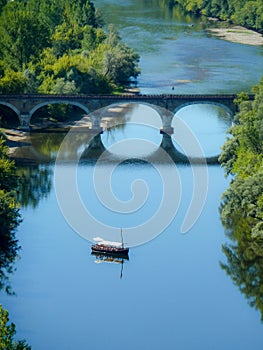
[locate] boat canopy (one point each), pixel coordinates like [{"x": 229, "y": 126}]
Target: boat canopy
[{"x": 108, "y": 243}]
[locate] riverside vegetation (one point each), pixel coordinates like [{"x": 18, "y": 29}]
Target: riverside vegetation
[
  {"x": 9, "y": 220},
  {"x": 242, "y": 204},
  {"x": 242, "y": 158},
  {"x": 60, "y": 47},
  {"x": 73, "y": 54},
  {"x": 53, "y": 47},
  {"x": 248, "y": 13}
]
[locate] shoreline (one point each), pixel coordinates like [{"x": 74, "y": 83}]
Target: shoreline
[{"x": 237, "y": 34}]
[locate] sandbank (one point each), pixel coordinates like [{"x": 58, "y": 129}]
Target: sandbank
[{"x": 238, "y": 34}]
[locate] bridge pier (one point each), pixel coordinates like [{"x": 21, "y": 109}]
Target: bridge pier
[
  {"x": 95, "y": 148},
  {"x": 95, "y": 122},
  {"x": 167, "y": 142},
  {"x": 25, "y": 121},
  {"x": 167, "y": 124},
  {"x": 96, "y": 143},
  {"x": 168, "y": 146}
]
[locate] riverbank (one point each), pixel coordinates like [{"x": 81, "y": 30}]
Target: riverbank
[{"x": 238, "y": 34}]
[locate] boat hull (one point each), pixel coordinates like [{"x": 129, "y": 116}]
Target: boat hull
[{"x": 113, "y": 251}]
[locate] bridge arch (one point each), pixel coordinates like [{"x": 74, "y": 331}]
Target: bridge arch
[
  {"x": 52, "y": 102},
  {"x": 214, "y": 103},
  {"x": 165, "y": 116},
  {"x": 119, "y": 103},
  {"x": 12, "y": 108}
]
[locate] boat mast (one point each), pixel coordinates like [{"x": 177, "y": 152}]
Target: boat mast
[
  {"x": 121, "y": 269},
  {"x": 122, "y": 239}
]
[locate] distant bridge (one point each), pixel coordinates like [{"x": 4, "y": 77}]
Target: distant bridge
[{"x": 26, "y": 105}]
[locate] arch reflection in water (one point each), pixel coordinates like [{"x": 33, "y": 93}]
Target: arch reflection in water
[
  {"x": 140, "y": 122},
  {"x": 132, "y": 120},
  {"x": 208, "y": 122},
  {"x": 88, "y": 224},
  {"x": 151, "y": 152}
]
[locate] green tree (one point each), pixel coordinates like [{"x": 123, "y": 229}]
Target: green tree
[
  {"x": 248, "y": 13},
  {"x": 49, "y": 12},
  {"x": 23, "y": 35},
  {"x": 119, "y": 62},
  {"x": 53, "y": 46},
  {"x": 67, "y": 37},
  {"x": 2, "y": 4},
  {"x": 242, "y": 203},
  {"x": 84, "y": 13},
  {"x": 7, "y": 334},
  {"x": 9, "y": 217},
  {"x": 14, "y": 82}
]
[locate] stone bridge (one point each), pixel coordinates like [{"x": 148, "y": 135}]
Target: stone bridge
[{"x": 166, "y": 105}]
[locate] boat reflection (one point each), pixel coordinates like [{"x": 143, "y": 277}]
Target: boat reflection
[{"x": 110, "y": 258}]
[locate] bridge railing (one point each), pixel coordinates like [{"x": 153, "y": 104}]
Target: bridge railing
[{"x": 122, "y": 96}]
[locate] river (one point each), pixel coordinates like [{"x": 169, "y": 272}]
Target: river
[
  {"x": 177, "y": 52},
  {"x": 172, "y": 292}
]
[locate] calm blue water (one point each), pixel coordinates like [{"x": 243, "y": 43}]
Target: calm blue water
[
  {"x": 173, "y": 293},
  {"x": 177, "y": 51}
]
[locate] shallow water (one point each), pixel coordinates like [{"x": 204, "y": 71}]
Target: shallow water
[{"x": 177, "y": 52}]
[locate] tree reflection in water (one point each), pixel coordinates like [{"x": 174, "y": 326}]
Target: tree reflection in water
[
  {"x": 34, "y": 184},
  {"x": 9, "y": 220},
  {"x": 245, "y": 262}
]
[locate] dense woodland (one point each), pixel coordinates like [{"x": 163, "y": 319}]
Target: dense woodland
[
  {"x": 248, "y": 13},
  {"x": 242, "y": 203},
  {"x": 57, "y": 47}
]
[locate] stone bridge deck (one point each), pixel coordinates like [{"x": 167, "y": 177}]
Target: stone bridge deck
[{"x": 166, "y": 105}]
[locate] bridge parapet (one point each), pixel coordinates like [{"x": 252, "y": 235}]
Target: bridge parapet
[{"x": 25, "y": 105}]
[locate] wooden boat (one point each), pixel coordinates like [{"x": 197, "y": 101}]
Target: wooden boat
[
  {"x": 110, "y": 247},
  {"x": 105, "y": 248}
]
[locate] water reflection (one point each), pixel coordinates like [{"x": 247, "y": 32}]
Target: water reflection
[
  {"x": 176, "y": 50},
  {"x": 208, "y": 124},
  {"x": 244, "y": 260},
  {"x": 151, "y": 152},
  {"x": 100, "y": 258},
  {"x": 34, "y": 183},
  {"x": 9, "y": 248}
]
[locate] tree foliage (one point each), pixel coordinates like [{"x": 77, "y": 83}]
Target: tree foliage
[
  {"x": 7, "y": 333},
  {"x": 9, "y": 217},
  {"x": 242, "y": 203},
  {"x": 63, "y": 46},
  {"x": 9, "y": 220},
  {"x": 248, "y": 13},
  {"x": 23, "y": 35}
]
